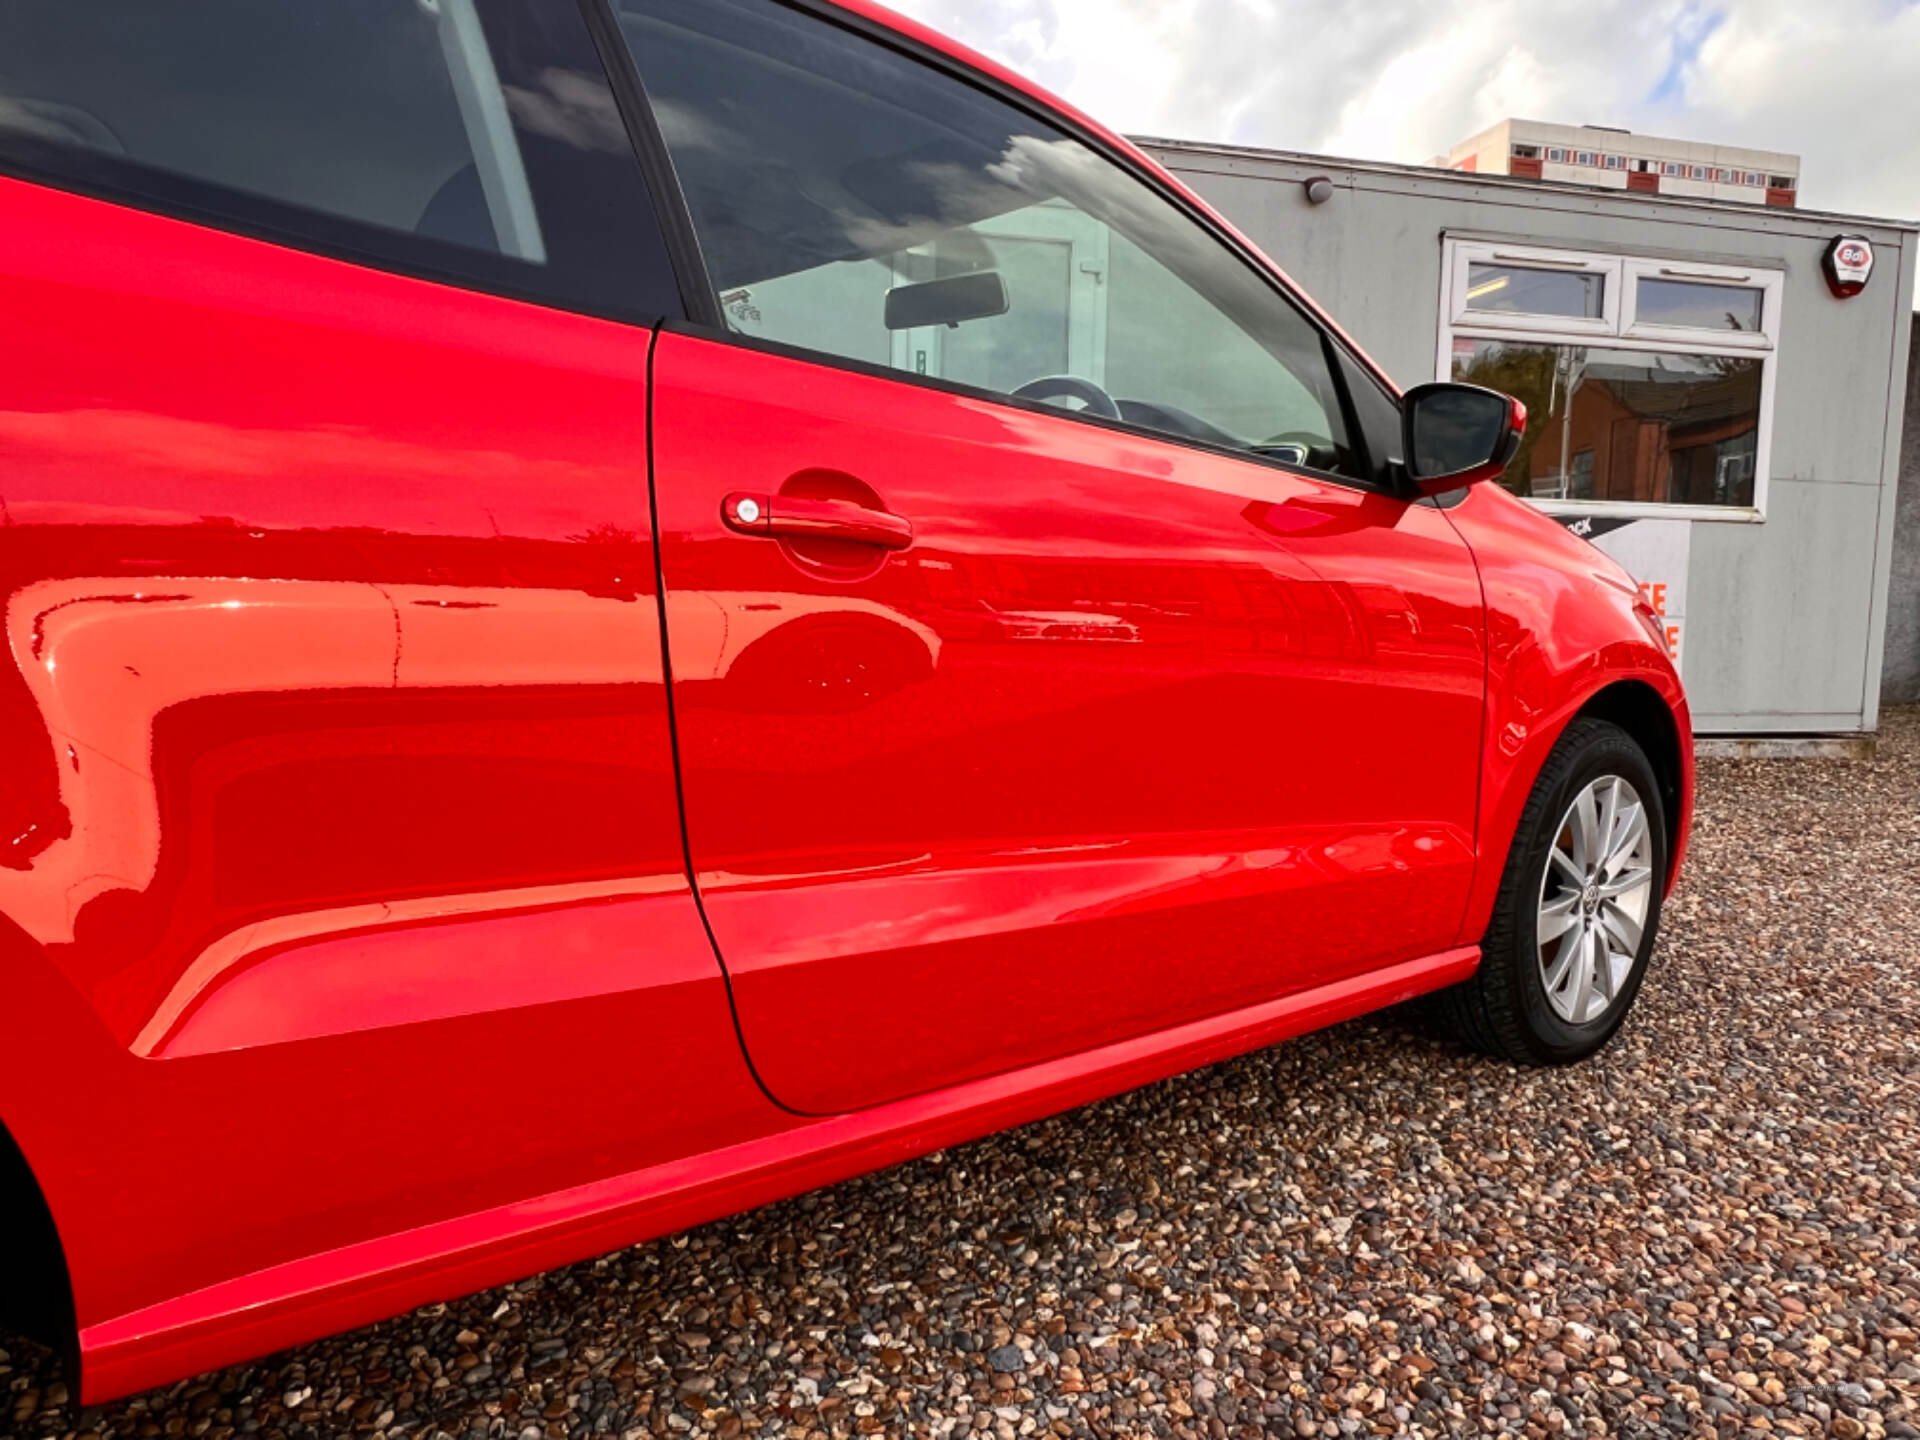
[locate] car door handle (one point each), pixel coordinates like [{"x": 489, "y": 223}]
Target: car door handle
[{"x": 792, "y": 518}]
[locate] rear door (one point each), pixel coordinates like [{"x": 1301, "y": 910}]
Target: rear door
[
  {"x": 1049, "y": 665},
  {"x": 339, "y": 782}
]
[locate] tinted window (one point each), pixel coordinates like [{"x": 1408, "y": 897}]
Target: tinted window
[
  {"x": 469, "y": 136},
  {"x": 826, "y": 172}
]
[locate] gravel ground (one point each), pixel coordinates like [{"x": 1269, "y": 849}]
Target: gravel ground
[{"x": 1711, "y": 1228}]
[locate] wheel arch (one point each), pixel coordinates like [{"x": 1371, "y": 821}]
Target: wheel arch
[
  {"x": 36, "y": 1287},
  {"x": 1640, "y": 710}
]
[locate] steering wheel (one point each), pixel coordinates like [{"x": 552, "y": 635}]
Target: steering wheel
[{"x": 1071, "y": 387}]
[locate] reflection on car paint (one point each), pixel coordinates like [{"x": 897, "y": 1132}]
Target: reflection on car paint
[{"x": 106, "y": 659}]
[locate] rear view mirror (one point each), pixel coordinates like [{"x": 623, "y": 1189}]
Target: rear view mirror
[
  {"x": 1459, "y": 434},
  {"x": 973, "y": 296}
]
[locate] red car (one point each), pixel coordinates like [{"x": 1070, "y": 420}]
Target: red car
[{"x": 620, "y": 608}]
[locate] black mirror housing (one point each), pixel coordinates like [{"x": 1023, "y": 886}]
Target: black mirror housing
[
  {"x": 977, "y": 295},
  {"x": 1457, "y": 435}
]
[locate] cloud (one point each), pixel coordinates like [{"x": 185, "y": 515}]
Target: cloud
[{"x": 1836, "y": 82}]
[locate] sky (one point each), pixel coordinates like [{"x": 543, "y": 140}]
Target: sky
[{"x": 1834, "y": 81}]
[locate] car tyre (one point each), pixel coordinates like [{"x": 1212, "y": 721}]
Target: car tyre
[{"x": 1539, "y": 998}]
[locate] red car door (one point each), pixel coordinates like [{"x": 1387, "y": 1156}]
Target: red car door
[
  {"x": 339, "y": 789},
  {"x": 1006, "y": 732}
]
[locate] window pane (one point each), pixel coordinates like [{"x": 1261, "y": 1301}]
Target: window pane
[
  {"x": 388, "y": 112},
  {"x": 825, "y": 172},
  {"x": 475, "y": 140},
  {"x": 1525, "y": 290},
  {"x": 1625, "y": 425},
  {"x": 1035, "y": 336},
  {"x": 1708, "y": 307}
]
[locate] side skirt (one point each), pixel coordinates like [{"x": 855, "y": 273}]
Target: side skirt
[{"x": 357, "y": 1284}]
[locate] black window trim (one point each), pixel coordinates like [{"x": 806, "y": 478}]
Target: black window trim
[
  {"x": 312, "y": 231},
  {"x": 698, "y": 298},
  {"x": 713, "y": 326}
]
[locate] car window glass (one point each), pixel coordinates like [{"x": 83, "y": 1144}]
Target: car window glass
[
  {"x": 837, "y": 186},
  {"x": 470, "y": 134}
]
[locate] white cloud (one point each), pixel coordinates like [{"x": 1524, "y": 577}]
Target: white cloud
[{"x": 1835, "y": 81}]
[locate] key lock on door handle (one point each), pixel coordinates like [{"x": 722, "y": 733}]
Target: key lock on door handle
[{"x": 791, "y": 517}]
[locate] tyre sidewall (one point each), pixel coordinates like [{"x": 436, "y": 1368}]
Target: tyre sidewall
[{"x": 1605, "y": 751}]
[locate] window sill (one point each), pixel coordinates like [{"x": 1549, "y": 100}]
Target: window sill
[{"x": 1724, "y": 514}]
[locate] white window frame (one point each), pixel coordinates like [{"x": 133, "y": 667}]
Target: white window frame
[
  {"x": 1618, "y": 329},
  {"x": 1770, "y": 283},
  {"x": 1575, "y": 261}
]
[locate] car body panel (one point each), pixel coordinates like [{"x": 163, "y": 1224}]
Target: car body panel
[
  {"x": 352, "y": 1285},
  {"x": 1561, "y": 631},
  {"x": 340, "y": 754},
  {"x": 920, "y": 872}
]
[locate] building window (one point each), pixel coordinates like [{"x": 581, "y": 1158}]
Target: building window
[
  {"x": 1700, "y": 172},
  {"x": 1649, "y": 383},
  {"x": 1499, "y": 287},
  {"x": 1780, "y": 182},
  {"x": 1616, "y": 162},
  {"x": 1580, "y": 478},
  {"x": 1750, "y": 178},
  {"x": 1584, "y": 157},
  {"x": 1556, "y": 153},
  {"x": 1526, "y": 152},
  {"x": 1672, "y": 168},
  {"x": 1698, "y": 305},
  {"x": 1645, "y": 166}
]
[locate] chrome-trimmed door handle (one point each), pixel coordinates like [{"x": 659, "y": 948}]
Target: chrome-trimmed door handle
[{"x": 789, "y": 517}]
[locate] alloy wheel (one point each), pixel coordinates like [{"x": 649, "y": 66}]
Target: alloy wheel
[{"x": 1594, "y": 899}]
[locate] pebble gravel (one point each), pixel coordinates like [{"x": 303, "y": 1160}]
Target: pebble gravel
[{"x": 1710, "y": 1229}]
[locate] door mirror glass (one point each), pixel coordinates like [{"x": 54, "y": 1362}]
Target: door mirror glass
[
  {"x": 1459, "y": 434},
  {"x": 948, "y": 301}
]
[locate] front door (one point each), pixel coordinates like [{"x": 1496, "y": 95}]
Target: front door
[
  {"x": 1130, "y": 733},
  {"x": 1006, "y": 732}
]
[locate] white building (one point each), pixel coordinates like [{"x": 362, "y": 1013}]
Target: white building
[{"x": 1621, "y": 160}]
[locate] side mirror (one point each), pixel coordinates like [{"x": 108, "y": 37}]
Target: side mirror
[
  {"x": 1459, "y": 435},
  {"x": 973, "y": 296}
]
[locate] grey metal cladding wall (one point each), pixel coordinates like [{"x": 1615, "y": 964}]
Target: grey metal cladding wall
[{"x": 1783, "y": 615}]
